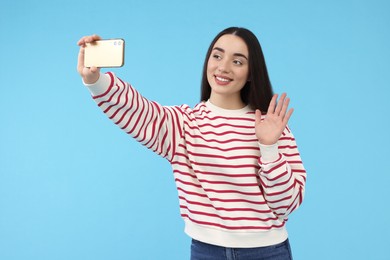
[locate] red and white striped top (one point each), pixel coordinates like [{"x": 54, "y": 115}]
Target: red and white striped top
[{"x": 233, "y": 192}]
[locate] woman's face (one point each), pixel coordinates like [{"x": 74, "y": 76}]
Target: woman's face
[{"x": 227, "y": 69}]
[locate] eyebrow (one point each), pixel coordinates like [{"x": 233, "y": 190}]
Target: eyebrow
[{"x": 234, "y": 54}]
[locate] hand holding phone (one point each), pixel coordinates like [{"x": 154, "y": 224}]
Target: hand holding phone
[
  {"x": 91, "y": 73},
  {"x": 104, "y": 53}
]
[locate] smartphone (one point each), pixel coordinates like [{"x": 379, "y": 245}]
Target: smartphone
[{"x": 105, "y": 53}]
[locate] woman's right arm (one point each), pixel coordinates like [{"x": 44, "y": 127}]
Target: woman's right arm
[{"x": 157, "y": 127}]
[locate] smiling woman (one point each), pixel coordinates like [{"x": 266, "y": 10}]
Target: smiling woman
[
  {"x": 227, "y": 71},
  {"x": 257, "y": 90},
  {"x": 238, "y": 173}
]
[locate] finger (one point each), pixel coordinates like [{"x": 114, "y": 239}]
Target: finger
[
  {"x": 92, "y": 38},
  {"x": 257, "y": 116},
  {"x": 280, "y": 104},
  {"x": 80, "y": 64},
  {"x": 271, "y": 106},
  {"x": 94, "y": 69},
  {"x": 288, "y": 115},
  {"x": 95, "y": 37},
  {"x": 286, "y": 102},
  {"x": 82, "y": 41},
  {"x": 88, "y": 39}
]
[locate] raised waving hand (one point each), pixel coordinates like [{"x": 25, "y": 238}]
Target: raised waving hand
[{"x": 269, "y": 129}]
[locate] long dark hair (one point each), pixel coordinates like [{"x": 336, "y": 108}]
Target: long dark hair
[{"x": 257, "y": 92}]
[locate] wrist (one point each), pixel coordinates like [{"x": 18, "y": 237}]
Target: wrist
[
  {"x": 90, "y": 80},
  {"x": 269, "y": 153},
  {"x": 266, "y": 143},
  {"x": 104, "y": 82}
]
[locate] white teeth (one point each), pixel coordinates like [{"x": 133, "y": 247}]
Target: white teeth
[{"x": 222, "y": 79}]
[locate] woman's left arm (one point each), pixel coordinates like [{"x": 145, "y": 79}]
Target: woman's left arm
[{"x": 282, "y": 175}]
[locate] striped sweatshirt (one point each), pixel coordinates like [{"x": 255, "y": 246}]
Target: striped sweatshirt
[{"x": 233, "y": 191}]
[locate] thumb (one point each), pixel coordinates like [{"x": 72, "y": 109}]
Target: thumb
[
  {"x": 257, "y": 116},
  {"x": 91, "y": 75},
  {"x": 94, "y": 69},
  {"x": 80, "y": 63}
]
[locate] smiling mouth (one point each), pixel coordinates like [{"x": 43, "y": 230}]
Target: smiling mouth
[{"x": 222, "y": 80}]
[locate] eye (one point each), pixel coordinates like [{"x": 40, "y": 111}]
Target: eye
[
  {"x": 217, "y": 56},
  {"x": 237, "y": 62}
]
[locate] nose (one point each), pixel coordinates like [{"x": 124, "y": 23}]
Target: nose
[{"x": 223, "y": 66}]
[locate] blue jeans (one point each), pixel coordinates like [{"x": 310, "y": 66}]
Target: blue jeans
[{"x": 203, "y": 251}]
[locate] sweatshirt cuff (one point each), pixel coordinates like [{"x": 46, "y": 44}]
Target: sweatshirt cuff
[
  {"x": 101, "y": 85},
  {"x": 269, "y": 153}
]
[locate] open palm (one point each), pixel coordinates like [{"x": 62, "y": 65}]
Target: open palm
[{"x": 270, "y": 128}]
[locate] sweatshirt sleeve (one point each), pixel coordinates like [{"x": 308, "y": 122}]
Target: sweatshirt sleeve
[
  {"x": 282, "y": 175},
  {"x": 157, "y": 127}
]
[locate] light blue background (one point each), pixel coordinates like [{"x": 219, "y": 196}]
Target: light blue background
[{"x": 73, "y": 186}]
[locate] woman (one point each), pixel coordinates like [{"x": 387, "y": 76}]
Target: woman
[{"x": 236, "y": 165}]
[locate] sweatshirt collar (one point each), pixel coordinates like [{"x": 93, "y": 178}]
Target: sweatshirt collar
[{"x": 227, "y": 112}]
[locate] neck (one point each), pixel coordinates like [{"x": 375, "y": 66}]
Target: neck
[{"x": 231, "y": 102}]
